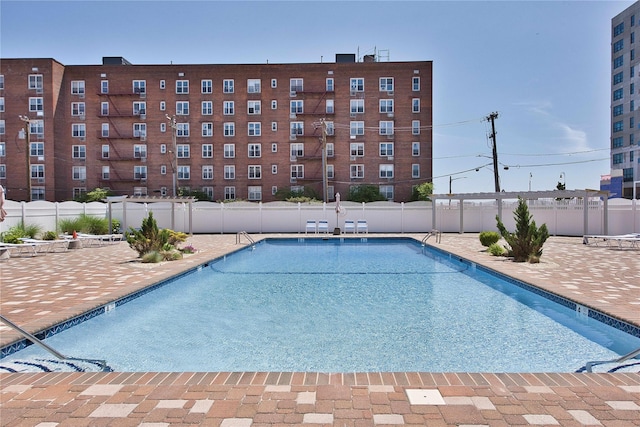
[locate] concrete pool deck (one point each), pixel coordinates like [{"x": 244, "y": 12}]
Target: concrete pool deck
[{"x": 38, "y": 292}]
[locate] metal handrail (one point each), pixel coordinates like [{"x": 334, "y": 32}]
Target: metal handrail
[
  {"x": 435, "y": 233},
  {"x": 102, "y": 363},
  {"x": 245, "y": 234},
  {"x": 621, "y": 359}
]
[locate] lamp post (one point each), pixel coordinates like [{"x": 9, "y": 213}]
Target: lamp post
[
  {"x": 28, "y": 121},
  {"x": 453, "y": 179},
  {"x": 174, "y": 158}
]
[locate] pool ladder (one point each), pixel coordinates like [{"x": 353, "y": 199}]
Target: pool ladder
[
  {"x": 102, "y": 363},
  {"x": 589, "y": 366},
  {"x": 245, "y": 234},
  {"x": 434, "y": 232}
]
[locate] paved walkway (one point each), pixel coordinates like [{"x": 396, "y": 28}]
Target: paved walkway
[{"x": 42, "y": 291}]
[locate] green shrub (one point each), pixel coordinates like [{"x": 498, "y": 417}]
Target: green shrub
[
  {"x": 13, "y": 234},
  {"x": 151, "y": 257},
  {"x": 496, "y": 250},
  {"x": 526, "y": 243},
  {"x": 69, "y": 225},
  {"x": 86, "y": 224},
  {"x": 171, "y": 255},
  {"x": 488, "y": 238},
  {"x": 49, "y": 235}
]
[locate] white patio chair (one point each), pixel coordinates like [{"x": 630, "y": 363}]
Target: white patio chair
[{"x": 310, "y": 227}]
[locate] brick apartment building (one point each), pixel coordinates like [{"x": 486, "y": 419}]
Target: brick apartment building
[{"x": 232, "y": 131}]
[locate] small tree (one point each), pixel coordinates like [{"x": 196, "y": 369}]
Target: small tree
[
  {"x": 148, "y": 238},
  {"x": 526, "y": 243},
  {"x": 422, "y": 191}
]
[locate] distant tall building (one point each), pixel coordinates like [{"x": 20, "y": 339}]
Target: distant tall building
[
  {"x": 229, "y": 131},
  {"x": 625, "y": 101}
]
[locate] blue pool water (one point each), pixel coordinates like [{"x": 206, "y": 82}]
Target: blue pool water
[{"x": 331, "y": 306}]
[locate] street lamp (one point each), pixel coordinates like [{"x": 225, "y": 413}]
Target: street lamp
[
  {"x": 28, "y": 121},
  {"x": 174, "y": 158}
]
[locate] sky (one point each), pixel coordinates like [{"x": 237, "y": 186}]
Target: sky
[{"x": 543, "y": 66}]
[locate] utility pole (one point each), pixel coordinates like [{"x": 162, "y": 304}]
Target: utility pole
[
  {"x": 27, "y": 130},
  {"x": 496, "y": 177},
  {"x": 325, "y": 195}
]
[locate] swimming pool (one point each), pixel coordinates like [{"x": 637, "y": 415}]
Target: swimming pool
[{"x": 341, "y": 305}]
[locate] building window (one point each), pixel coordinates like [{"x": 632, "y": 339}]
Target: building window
[
  {"x": 227, "y": 86},
  {"x": 35, "y": 81},
  {"x": 106, "y": 172},
  {"x": 618, "y": 77},
  {"x": 140, "y": 151},
  {"x": 356, "y": 149},
  {"x": 618, "y": 126},
  {"x": 618, "y": 62},
  {"x": 207, "y": 129},
  {"x": 229, "y": 193},
  {"x": 105, "y": 130},
  {"x": 229, "y": 172},
  {"x": 386, "y": 127},
  {"x": 77, "y": 87},
  {"x": 163, "y": 148},
  {"x": 228, "y": 108},
  {"x": 163, "y": 105},
  {"x": 163, "y": 170},
  {"x": 104, "y": 86},
  {"x": 356, "y": 106},
  {"x": 255, "y": 150},
  {"x": 415, "y": 105},
  {"x": 254, "y": 129},
  {"x": 415, "y": 170},
  {"x": 330, "y": 172},
  {"x": 77, "y": 108},
  {"x": 182, "y": 130},
  {"x": 1, "y": 81},
  {"x": 139, "y": 86},
  {"x": 2, "y": 127},
  {"x": 356, "y": 128},
  {"x": 274, "y": 169},
  {"x": 3, "y": 149},
  {"x": 296, "y": 150},
  {"x": 182, "y": 108},
  {"x": 356, "y": 171},
  {"x": 229, "y": 129},
  {"x": 253, "y": 107},
  {"x": 139, "y": 172},
  {"x": 329, "y": 85},
  {"x": 329, "y": 128},
  {"x": 139, "y": 130},
  {"x": 618, "y": 29},
  {"x": 255, "y": 193},
  {"x": 617, "y": 94},
  {"x": 415, "y": 84},
  {"x": 207, "y": 172},
  {"x": 617, "y": 110},
  {"x": 229, "y": 151},
  {"x": 207, "y": 151},
  {"x": 183, "y": 151},
  {"x": 415, "y": 127},
  {"x": 618, "y": 158},
  {"x": 274, "y": 147},
  {"x": 386, "y": 191},
  {"x": 207, "y": 86},
  {"x": 627, "y": 174},
  {"x": 104, "y": 108},
  {"x": 253, "y": 86},
  {"x": 255, "y": 171},
  {"x": 139, "y": 108},
  {"x": 386, "y": 171},
  {"x": 163, "y": 84},
  {"x": 274, "y": 83},
  {"x": 37, "y": 171},
  {"x": 296, "y": 85},
  {"x": 386, "y": 84},
  {"x": 297, "y": 171},
  {"x": 386, "y": 149},
  {"x": 163, "y": 127},
  {"x": 78, "y": 130},
  {"x": 208, "y": 191},
  {"x": 79, "y": 173},
  {"x": 184, "y": 172},
  {"x": 415, "y": 149},
  {"x": 618, "y": 46},
  {"x": 274, "y": 126},
  {"x": 182, "y": 86},
  {"x": 207, "y": 108},
  {"x": 274, "y": 104},
  {"x": 297, "y": 107},
  {"x": 37, "y": 104},
  {"x": 329, "y": 106},
  {"x": 356, "y": 84},
  {"x": 296, "y": 128},
  {"x": 79, "y": 152},
  {"x": 37, "y": 193},
  {"x": 36, "y": 149},
  {"x": 386, "y": 105},
  {"x": 617, "y": 142},
  {"x": 105, "y": 151}
]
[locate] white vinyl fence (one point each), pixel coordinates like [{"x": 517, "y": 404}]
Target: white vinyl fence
[{"x": 564, "y": 218}]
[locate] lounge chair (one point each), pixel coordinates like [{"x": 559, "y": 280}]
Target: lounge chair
[
  {"x": 349, "y": 226},
  {"x": 47, "y": 245},
  {"x": 361, "y": 226},
  {"x": 19, "y": 248},
  {"x": 323, "y": 226},
  {"x": 310, "y": 227},
  {"x": 632, "y": 238}
]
